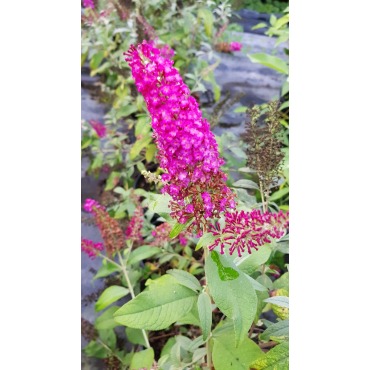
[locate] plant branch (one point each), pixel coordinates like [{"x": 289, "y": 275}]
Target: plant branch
[
  {"x": 267, "y": 345},
  {"x": 129, "y": 283}
]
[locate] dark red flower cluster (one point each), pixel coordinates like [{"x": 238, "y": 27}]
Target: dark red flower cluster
[
  {"x": 111, "y": 233},
  {"x": 91, "y": 248},
  {"x": 133, "y": 231},
  {"x": 249, "y": 230}
]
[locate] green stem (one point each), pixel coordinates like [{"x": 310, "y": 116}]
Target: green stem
[
  {"x": 109, "y": 350},
  {"x": 208, "y": 343},
  {"x": 109, "y": 260},
  {"x": 129, "y": 284}
]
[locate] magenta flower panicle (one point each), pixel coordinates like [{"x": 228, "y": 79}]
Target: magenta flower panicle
[
  {"x": 133, "y": 231},
  {"x": 249, "y": 230},
  {"x": 109, "y": 229},
  {"x": 186, "y": 146},
  {"x": 91, "y": 248}
]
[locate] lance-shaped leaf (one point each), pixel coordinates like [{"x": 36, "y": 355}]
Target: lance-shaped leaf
[
  {"x": 110, "y": 295},
  {"x": 206, "y": 240},
  {"x": 232, "y": 292},
  {"x": 278, "y": 301},
  {"x": 279, "y": 329},
  {"x": 205, "y": 314},
  {"x": 161, "y": 305},
  {"x": 106, "y": 320},
  {"x": 185, "y": 278},
  {"x": 141, "y": 253}
]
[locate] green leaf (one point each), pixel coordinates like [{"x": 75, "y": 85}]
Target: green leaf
[
  {"x": 108, "y": 337},
  {"x": 112, "y": 180},
  {"x": 143, "y": 359},
  {"x": 285, "y": 88},
  {"x": 177, "y": 228},
  {"x": 206, "y": 240},
  {"x": 240, "y": 109},
  {"x": 275, "y": 359},
  {"x": 126, "y": 111},
  {"x": 141, "y": 253},
  {"x": 256, "y": 284},
  {"x": 281, "y": 21},
  {"x": 98, "y": 161},
  {"x": 185, "y": 279},
  {"x": 83, "y": 58},
  {"x": 106, "y": 270},
  {"x": 136, "y": 336},
  {"x": 196, "y": 343},
  {"x": 270, "y": 61},
  {"x": 128, "y": 358},
  {"x": 279, "y": 194},
  {"x": 85, "y": 142},
  {"x": 140, "y": 166},
  {"x": 272, "y": 19},
  {"x": 164, "y": 303},
  {"x": 161, "y": 204},
  {"x": 283, "y": 247},
  {"x": 96, "y": 350},
  {"x": 242, "y": 194},
  {"x": 282, "y": 282},
  {"x": 106, "y": 320},
  {"x": 247, "y": 184},
  {"x": 205, "y": 314},
  {"x": 139, "y": 145},
  {"x": 251, "y": 262},
  {"x": 232, "y": 292},
  {"x": 141, "y": 123},
  {"x": 278, "y": 301},
  {"x": 191, "y": 318},
  {"x": 150, "y": 151},
  {"x": 284, "y": 105},
  {"x": 110, "y": 295},
  {"x": 96, "y": 59},
  {"x": 246, "y": 170},
  {"x": 259, "y": 25},
  {"x": 207, "y": 16},
  {"x": 279, "y": 329},
  {"x": 166, "y": 350},
  {"x": 226, "y": 356},
  {"x": 239, "y": 152},
  {"x": 265, "y": 281}
]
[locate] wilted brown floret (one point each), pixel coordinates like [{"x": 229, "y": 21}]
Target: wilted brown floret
[
  {"x": 111, "y": 233},
  {"x": 88, "y": 331},
  {"x": 264, "y": 154}
]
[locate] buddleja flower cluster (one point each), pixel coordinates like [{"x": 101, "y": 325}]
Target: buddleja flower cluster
[
  {"x": 226, "y": 47},
  {"x": 91, "y": 248},
  {"x": 133, "y": 231},
  {"x": 162, "y": 236},
  {"x": 187, "y": 148},
  {"x": 249, "y": 230},
  {"x": 110, "y": 231},
  {"x": 100, "y": 129}
]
